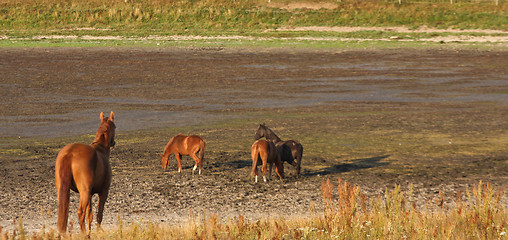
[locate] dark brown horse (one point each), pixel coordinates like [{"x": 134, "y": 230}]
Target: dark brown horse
[
  {"x": 290, "y": 151},
  {"x": 184, "y": 145},
  {"x": 85, "y": 169},
  {"x": 267, "y": 152}
]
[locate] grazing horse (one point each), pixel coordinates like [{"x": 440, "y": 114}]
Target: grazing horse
[
  {"x": 184, "y": 145},
  {"x": 267, "y": 152},
  {"x": 85, "y": 169},
  {"x": 290, "y": 151}
]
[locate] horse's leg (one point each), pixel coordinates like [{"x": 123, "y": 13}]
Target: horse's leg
[
  {"x": 279, "y": 167},
  {"x": 89, "y": 215},
  {"x": 178, "y": 157},
  {"x": 299, "y": 155},
  {"x": 196, "y": 159},
  {"x": 200, "y": 166},
  {"x": 254, "y": 171},
  {"x": 270, "y": 166},
  {"x": 84, "y": 202},
  {"x": 201, "y": 155},
  {"x": 264, "y": 158},
  {"x": 103, "y": 196},
  {"x": 83, "y": 177}
]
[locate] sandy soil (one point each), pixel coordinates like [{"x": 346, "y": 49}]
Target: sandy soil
[{"x": 49, "y": 96}]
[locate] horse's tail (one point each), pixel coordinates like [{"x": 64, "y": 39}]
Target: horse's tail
[
  {"x": 63, "y": 178},
  {"x": 202, "y": 150},
  {"x": 254, "y": 152}
]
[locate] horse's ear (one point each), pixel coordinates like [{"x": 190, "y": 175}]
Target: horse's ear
[
  {"x": 112, "y": 116},
  {"x": 102, "y": 117}
]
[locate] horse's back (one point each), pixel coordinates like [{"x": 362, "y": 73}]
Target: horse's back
[
  {"x": 260, "y": 145},
  {"x": 194, "y": 140},
  {"x": 268, "y": 147},
  {"x": 193, "y": 143},
  {"x": 75, "y": 153},
  {"x": 294, "y": 146},
  {"x": 79, "y": 160}
]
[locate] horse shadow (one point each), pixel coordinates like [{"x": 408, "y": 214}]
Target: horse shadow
[
  {"x": 357, "y": 164},
  {"x": 231, "y": 165}
]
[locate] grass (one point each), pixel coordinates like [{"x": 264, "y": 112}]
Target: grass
[
  {"x": 375, "y": 43},
  {"x": 162, "y": 17},
  {"x": 20, "y": 21},
  {"x": 478, "y": 214}
]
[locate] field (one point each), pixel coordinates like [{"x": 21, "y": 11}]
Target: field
[
  {"x": 401, "y": 107},
  {"x": 426, "y": 123}
]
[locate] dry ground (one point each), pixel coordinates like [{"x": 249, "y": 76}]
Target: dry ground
[{"x": 432, "y": 118}]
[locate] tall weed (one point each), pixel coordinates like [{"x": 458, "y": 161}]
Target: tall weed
[{"x": 348, "y": 214}]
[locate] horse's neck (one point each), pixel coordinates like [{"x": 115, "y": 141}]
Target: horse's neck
[
  {"x": 100, "y": 148},
  {"x": 272, "y": 136},
  {"x": 102, "y": 152},
  {"x": 168, "y": 149}
]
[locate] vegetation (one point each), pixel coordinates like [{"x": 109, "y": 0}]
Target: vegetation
[
  {"x": 225, "y": 17},
  {"x": 348, "y": 215}
]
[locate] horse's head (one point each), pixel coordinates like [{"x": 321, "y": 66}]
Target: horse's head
[
  {"x": 106, "y": 133},
  {"x": 260, "y": 132},
  {"x": 165, "y": 162}
]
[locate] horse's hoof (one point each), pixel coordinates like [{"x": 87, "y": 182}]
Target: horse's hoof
[
  {"x": 264, "y": 178},
  {"x": 256, "y": 179}
]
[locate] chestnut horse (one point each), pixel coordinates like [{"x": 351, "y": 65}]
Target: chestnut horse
[
  {"x": 184, "y": 145},
  {"x": 290, "y": 151},
  {"x": 267, "y": 152},
  {"x": 85, "y": 169}
]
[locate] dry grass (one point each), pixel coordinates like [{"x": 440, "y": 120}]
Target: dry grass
[{"x": 478, "y": 214}]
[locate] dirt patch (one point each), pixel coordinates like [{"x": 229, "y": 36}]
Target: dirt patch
[
  {"x": 302, "y": 5},
  {"x": 433, "y": 118},
  {"x": 391, "y": 29}
]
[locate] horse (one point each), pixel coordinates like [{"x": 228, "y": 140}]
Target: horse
[
  {"x": 290, "y": 151},
  {"x": 86, "y": 170},
  {"x": 184, "y": 145},
  {"x": 267, "y": 152}
]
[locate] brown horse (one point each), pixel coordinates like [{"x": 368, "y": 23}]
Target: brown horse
[
  {"x": 267, "y": 152},
  {"x": 290, "y": 151},
  {"x": 85, "y": 169},
  {"x": 184, "y": 145}
]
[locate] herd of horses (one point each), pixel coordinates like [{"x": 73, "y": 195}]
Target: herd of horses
[{"x": 86, "y": 168}]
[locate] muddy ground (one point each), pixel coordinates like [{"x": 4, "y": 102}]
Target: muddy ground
[{"x": 433, "y": 118}]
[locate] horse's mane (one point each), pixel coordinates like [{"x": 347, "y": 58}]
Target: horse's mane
[{"x": 270, "y": 134}]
